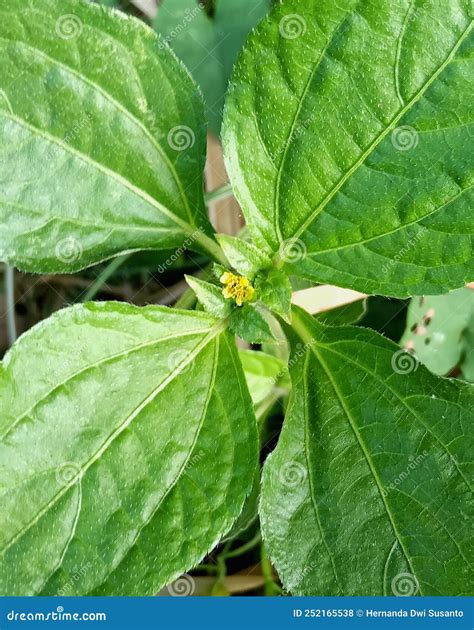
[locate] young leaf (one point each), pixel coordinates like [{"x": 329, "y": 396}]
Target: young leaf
[
  {"x": 345, "y": 136},
  {"x": 210, "y": 296},
  {"x": 369, "y": 489},
  {"x": 248, "y": 324},
  {"x": 274, "y": 290},
  {"x": 244, "y": 257},
  {"x": 102, "y": 139},
  {"x": 438, "y": 330},
  {"x": 262, "y": 372},
  {"x": 128, "y": 448}
]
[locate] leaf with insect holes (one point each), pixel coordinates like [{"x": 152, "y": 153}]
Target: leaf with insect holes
[
  {"x": 249, "y": 324},
  {"x": 346, "y": 135},
  {"x": 244, "y": 257},
  {"x": 274, "y": 290},
  {"x": 438, "y": 330},
  {"x": 128, "y": 448},
  {"x": 210, "y": 296},
  {"x": 102, "y": 139},
  {"x": 369, "y": 491}
]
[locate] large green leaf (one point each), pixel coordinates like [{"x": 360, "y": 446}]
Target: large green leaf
[
  {"x": 209, "y": 45},
  {"x": 128, "y": 448},
  {"x": 439, "y": 331},
  {"x": 369, "y": 491},
  {"x": 102, "y": 138},
  {"x": 346, "y": 139}
]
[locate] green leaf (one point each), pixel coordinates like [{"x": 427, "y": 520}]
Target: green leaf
[
  {"x": 369, "y": 489},
  {"x": 244, "y": 257},
  {"x": 208, "y": 46},
  {"x": 438, "y": 327},
  {"x": 344, "y": 315},
  {"x": 210, "y": 296},
  {"x": 262, "y": 373},
  {"x": 249, "y": 513},
  {"x": 275, "y": 291},
  {"x": 102, "y": 139},
  {"x": 345, "y": 140},
  {"x": 248, "y": 324},
  {"x": 128, "y": 448}
]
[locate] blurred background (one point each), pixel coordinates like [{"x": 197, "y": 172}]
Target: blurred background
[{"x": 439, "y": 331}]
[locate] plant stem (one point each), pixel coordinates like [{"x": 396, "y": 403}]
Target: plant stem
[
  {"x": 102, "y": 278},
  {"x": 212, "y": 248},
  {"x": 219, "y": 193},
  {"x": 253, "y": 542},
  {"x": 188, "y": 299},
  {"x": 271, "y": 588},
  {"x": 10, "y": 304}
]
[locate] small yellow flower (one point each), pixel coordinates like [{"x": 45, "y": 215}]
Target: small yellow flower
[{"x": 237, "y": 288}]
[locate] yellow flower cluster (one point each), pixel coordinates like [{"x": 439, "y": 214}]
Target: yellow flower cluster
[{"x": 237, "y": 288}]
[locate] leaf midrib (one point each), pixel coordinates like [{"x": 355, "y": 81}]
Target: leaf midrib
[
  {"x": 105, "y": 170},
  {"x": 216, "y": 330},
  {"x": 395, "y": 230},
  {"x": 332, "y": 193},
  {"x": 402, "y": 401},
  {"x": 180, "y": 472},
  {"x": 91, "y": 366},
  {"x": 88, "y": 224},
  {"x": 367, "y": 457},
  {"x": 308, "y": 337},
  {"x": 120, "y": 108},
  {"x": 293, "y": 128},
  {"x": 310, "y": 479}
]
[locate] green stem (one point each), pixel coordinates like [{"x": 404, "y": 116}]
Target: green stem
[
  {"x": 102, "y": 278},
  {"x": 189, "y": 300},
  {"x": 253, "y": 542},
  {"x": 212, "y": 248},
  {"x": 218, "y": 194},
  {"x": 10, "y": 304},
  {"x": 270, "y": 586}
]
